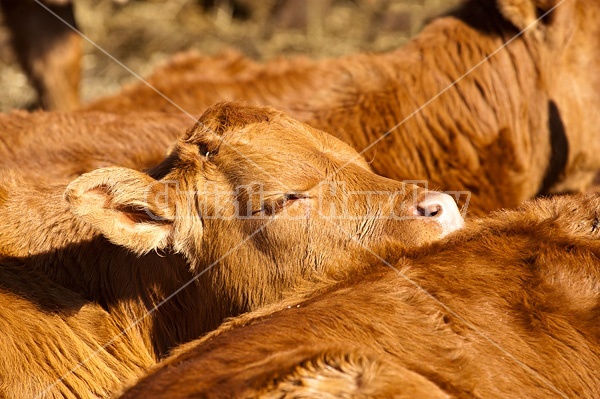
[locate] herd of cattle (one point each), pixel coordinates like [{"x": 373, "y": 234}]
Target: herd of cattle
[{"x": 279, "y": 246}]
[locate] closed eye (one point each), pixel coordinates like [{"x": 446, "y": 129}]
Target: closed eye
[{"x": 275, "y": 206}]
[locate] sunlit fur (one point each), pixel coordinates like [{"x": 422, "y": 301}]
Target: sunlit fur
[
  {"x": 282, "y": 155},
  {"x": 506, "y": 308},
  {"x": 65, "y": 290},
  {"x": 51, "y": 145}
]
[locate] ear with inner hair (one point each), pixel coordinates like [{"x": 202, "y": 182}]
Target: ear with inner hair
[{"x": 128, "y": 207}]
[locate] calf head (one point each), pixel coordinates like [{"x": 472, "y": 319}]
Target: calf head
[{"x": 270, "y": 199}]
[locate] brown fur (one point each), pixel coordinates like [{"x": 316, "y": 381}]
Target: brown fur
[
  {"x": 47, "y": 49},
  {"x": 65, "y": 145},
  {"x": 235, "y": 149},
  {"x": 84, "y": 289},
  {"x": 113, "y": 286},
  {"x": 516, "y": 126},
  {"x": 48, "y": 332},
  {"x": 508, "y": 307}
]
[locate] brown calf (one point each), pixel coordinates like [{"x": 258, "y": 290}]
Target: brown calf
[
  {"x": 47, "y": 49},
  {"x": 505, "y": 128},
  {"x": 506, "y": 308},
  {"x": 238, "y": 198}
]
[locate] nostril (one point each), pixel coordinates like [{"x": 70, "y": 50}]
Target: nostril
[
  {"x": 429, "y": 210},
  {"x": 442, "y": 209}
]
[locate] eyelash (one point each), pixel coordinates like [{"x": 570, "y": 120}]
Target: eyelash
[{"x": 274, "y": 207}]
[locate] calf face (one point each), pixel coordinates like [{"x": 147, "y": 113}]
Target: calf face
[{"x": 270, "y": 199}]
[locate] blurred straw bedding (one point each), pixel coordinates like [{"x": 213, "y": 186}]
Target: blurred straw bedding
[{"x": 142, "y": 34}]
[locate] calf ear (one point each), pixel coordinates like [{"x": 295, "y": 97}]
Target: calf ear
[
  {"x": 524, "y": 13},
  {"x": 129, "y": 207}
]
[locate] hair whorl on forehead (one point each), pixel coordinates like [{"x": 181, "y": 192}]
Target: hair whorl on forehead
[{"x": 225, "y": 116}]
